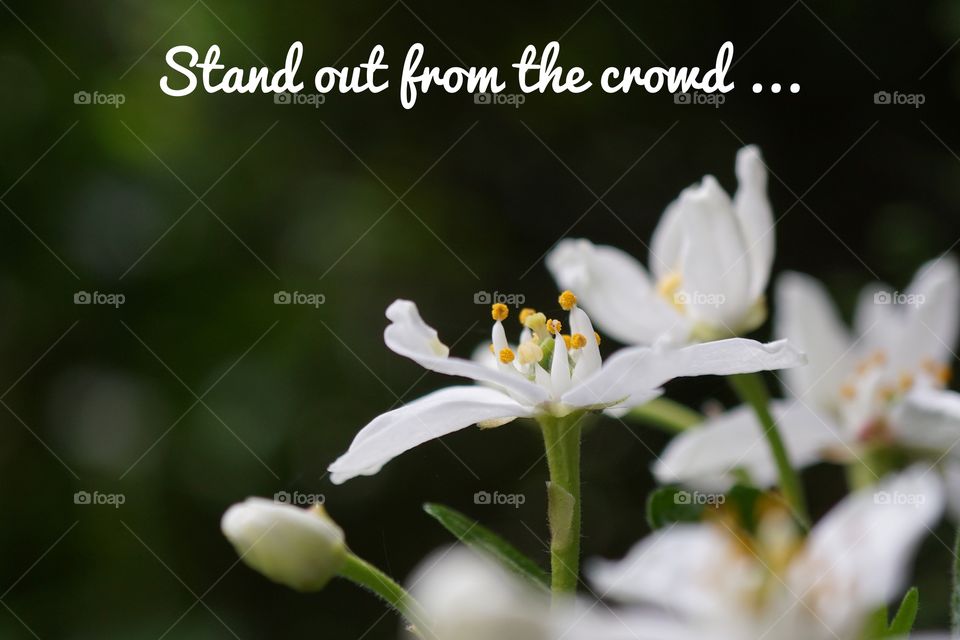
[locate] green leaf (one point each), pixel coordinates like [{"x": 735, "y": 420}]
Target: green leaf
[
  {"x": 478, "y": 537},
  {"x": 906, "y": 615},
  {"x": 667, "y": 505},
  {"x": 876, "y": 625}
]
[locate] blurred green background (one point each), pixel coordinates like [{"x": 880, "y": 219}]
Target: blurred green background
[{"x": 200, "y": 391}]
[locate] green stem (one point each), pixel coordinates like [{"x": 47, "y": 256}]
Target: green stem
[
  {"x": 666, "y": 414},
  {"x": 364, "y": 574},
  {"x": 752, "y": 390},
  {"x": 561, "y": 437}
]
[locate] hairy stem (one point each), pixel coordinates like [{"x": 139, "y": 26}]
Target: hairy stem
[
  {"x": 752, "y": 390},
  {"x": 561, "y": 437}
]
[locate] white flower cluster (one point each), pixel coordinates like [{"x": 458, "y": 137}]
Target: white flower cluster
[{"x": 744, "y": 563}]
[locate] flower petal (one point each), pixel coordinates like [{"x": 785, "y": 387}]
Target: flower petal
[
  {"x": 928, "y": 419},
  {"x": 588, "y": 361},
  {"x": 616, "y": 290},
  {"x": 706, "y": 456},
  {"x": 857, "y": 557},
  {"x": 409, "y": 336},
  {"x": 807, "y": 317},
  {"x": 933, "y": 314},
  {"x": 638, "y": 370},
  {"x": 683, "y": 569},
  {"x": 429, "y": 417},
  {"x": 755, "y": 214}
]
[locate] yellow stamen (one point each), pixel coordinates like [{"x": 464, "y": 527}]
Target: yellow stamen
[
  {"x": 567, "y": 341},
  {"x": 554, "y": 327},
  {"x": 525, "y": 313},
  {"x": 597, "y": 336},
  {"x": 492, "y": 350},
  {"x": 906, "y": 381},
  {"x": 848, "y": 392},
  {"x": 941, "y": 373},
  {"x": 499, "y": 311},
  {"x": 578, "y": 341},
  {"x": 879, "y": 357},
  {"x": 668, "y": 286},
  {"x": 887, "y": 392},
  {"x": 506, "y": 356},
  {"x": 567, "y": 300}
]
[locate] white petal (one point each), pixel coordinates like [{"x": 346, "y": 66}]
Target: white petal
[
  {"x": 559, "y": 367},
  {"x": 806, "y": 317},
  {"x": 409, "y": 336},
  {"x": 666, "y": 245},
  {"x": 928, "y": 419},
  {"x": 616, "y": 290},
  {"x": 857, "y": 557},
  {"x": 638, "y": 370},
  {"x": 468, "y": 597},
  {"x": 589, "y": 355},
  {"x": 932, "y": 313},
  {"x": 756, "y": 216},
  {"x": 683, "y": 569},
  {"x": 715, "y": 263},
  {"x": 706, "y": 456},
  {"x": 426, "y": 418}
]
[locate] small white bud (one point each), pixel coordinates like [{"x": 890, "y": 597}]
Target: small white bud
[{"x": 300, "y": 548}]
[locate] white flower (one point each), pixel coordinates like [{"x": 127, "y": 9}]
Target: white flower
[
  {"x": 729, "y": 583},
  {"x": 300, "y": 548},
  {"x": 879, "y": 388},
  {"x": 541, "y": 376},
  {"x": 468, "y": 597},
  {"x": 710, "y": 261}
]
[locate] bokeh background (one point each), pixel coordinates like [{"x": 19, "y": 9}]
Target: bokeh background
[{"x": 200, "y": 391}]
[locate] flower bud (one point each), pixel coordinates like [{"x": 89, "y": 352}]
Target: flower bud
[{"x": 300, "y": 548}]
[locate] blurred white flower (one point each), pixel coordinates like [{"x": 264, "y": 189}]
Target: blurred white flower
[
  {"x": 882, "y": 387},
  {"x": 300, "y": 548},
  {"x": 710, "y": 261},
  {"x": 725, "y": 582},
  {"x": 469, "y": 597},
  {"x": 543, "y": 375}
]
